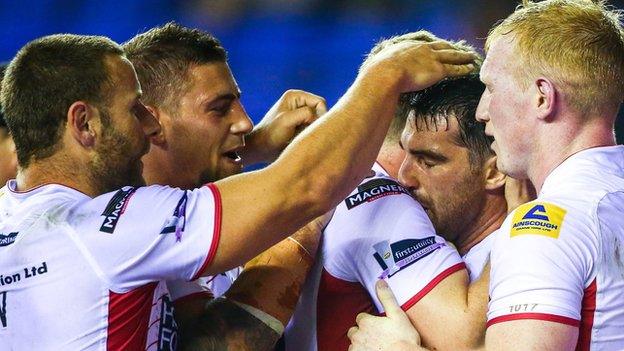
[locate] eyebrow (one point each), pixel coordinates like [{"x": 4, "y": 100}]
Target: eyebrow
[{"x": 428, "y": 154}]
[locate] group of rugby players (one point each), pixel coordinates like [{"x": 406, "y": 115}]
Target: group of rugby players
[{"x": 389, "y": 221}]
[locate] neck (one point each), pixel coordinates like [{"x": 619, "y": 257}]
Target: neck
[
  {"x": 157, "y": 170},
  {"x": 391, "y": 157},
  {"x": 555, "y": 150},
  {"x": 490, "y": 219},
  {"x": 53, "y": 171}
]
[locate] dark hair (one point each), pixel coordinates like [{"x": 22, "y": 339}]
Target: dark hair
[
  {"x": 46, "y": 76},
  {"x": 162, "y": 57},
  {"x": 398, "y": 122},
  {"x": 454, "y": 97},
  {"x": 3, "y": 67}
]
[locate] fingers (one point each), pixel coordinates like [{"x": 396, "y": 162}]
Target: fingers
[
  {"x": 387, "y": 299},
  {"x": 455, "y": 56},
  {"x": 458, "y": 70}
]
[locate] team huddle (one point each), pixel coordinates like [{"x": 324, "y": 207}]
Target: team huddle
[{"x": 446, "y": 202}]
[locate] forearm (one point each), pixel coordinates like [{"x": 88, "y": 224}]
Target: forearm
[
  {"x": 454, "y": 307},
  {"x": 272, "y": 281}
]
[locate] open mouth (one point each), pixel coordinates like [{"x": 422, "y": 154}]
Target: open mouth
[{"x": 233, "y": 155}]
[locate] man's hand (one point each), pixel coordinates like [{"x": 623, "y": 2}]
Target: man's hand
[
  {"x": 518, "y": 192},
  {"x": 417, "y": 65},
  {"x": 393, "y": 332},
  {"x": 294, "y": 111}
]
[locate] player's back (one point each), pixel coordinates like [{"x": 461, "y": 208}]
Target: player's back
[{"x": 45, "y": 276}]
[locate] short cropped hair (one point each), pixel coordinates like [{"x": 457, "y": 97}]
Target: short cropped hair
[
  {"x": 46, "y": 76},
  {"x": 451, "y": 98},
  {"x": 3, "y": 67},
  {"x": 579, "y": 44},
  {"x": 398, "y": 122},
  {"x": 162, "y": 57}
]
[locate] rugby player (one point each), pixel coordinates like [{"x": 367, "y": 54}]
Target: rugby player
[
  {"x": 451, "y": 170},
  {"x": 554, "y": 82},
  {"x": 188, "y": 86},
  {"x": 8, "y": 159},
  {"x": 80, "y": 228}
]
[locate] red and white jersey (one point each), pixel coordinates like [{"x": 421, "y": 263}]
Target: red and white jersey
[
  {"x": 81, "y": 273},
  {"x": 560, "y": 258},
  {"x": 379, "y": 231}
]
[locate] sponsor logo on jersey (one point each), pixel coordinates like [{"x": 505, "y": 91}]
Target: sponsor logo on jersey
[
  {"x": 373, "y": 190},
  {"x": 168, "y": 329},
  {"x": 538, "y": 218},
  {"x": 3, "y": 317},
  {"x": 396, "y": 256},
  {"x": 115, "y": 208},
  {"x": 6, "y": 240},
  {"x": 177, "y": 221}
]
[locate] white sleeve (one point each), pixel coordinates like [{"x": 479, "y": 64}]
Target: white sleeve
[
  {"x": 393, "y": 239},
  {"x": 215, "y": 285},
  {"x": 541, "y": 264},
  {"x": 140, "y": 235}
]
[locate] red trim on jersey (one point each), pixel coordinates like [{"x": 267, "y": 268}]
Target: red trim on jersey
[
  {"x": 537, "y": 316},
  {"x": 383, "y": 168},
  {"x": 587, "y": 317},
  {"x": 216, "y": 234},
  {"x": 128, "y": 318},
  {"x": 338, "y": 303},
  {"x": 194, "y": 296},
  {"x": 432, "y": 284}
]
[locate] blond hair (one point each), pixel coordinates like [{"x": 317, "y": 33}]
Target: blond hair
[{"x": 579, "y": 44}]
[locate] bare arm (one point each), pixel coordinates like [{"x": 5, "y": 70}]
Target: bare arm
[
  {"x": 453, "y": 306},
  {"x": 328, "y": 159},
  {"x": 525, "y": 335}
]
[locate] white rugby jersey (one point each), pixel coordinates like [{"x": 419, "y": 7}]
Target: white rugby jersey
[
  {"x": 379, "y": 231},
  {"x": 560, "y": 258},
  {"x": 81, "y": 273}
]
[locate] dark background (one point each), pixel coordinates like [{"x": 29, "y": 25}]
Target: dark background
[{"x": 274, "y": 45}]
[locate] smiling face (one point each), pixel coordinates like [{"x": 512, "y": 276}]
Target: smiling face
[
  {"x": 206, "y": 130},
  {"x": 438, "y": 172},
  {"x": 505, "y": 108}
]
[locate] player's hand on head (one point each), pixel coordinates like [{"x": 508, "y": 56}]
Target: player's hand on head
[
  {"x": 295, "y": 110},
  {"x": 518, "y": 192},
  {"x": 394, "y": 332},
  {"x": 417, "y": 65}
]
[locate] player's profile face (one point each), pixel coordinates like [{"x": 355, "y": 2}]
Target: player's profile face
[
  {"x": 125, "y": 124},
  {"x": 436, "y": 170},
  {"x": 504, "y": 107},
  {"x": 206, "y": 132}
]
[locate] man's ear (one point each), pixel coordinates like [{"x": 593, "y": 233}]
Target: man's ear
[
  {"x": 159, "y": 138},
  {"x": 494, "y": 179},
  {"x": 80, "y": 122},
  {"x": 545, "y": 98}
]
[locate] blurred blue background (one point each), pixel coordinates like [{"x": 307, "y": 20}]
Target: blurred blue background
[{"x": 273, "y": 45}]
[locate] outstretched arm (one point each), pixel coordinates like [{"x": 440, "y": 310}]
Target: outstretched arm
[{"x": 328, "y": 159}]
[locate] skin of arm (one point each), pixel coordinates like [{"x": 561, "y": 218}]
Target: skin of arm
[
  {"x": 453, "y": 306},
  {"x": 529, "y": 335},
  {"x": 329, "y": 158}
]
